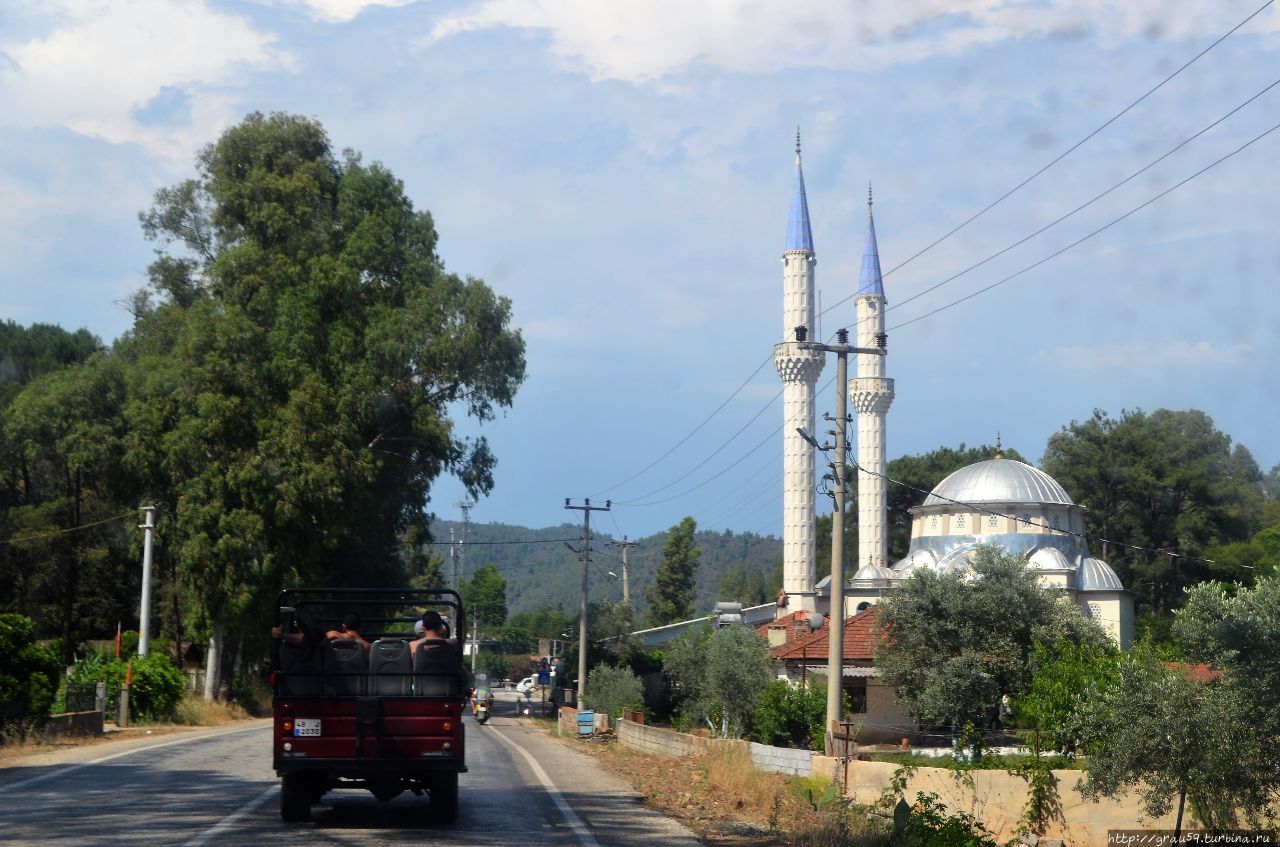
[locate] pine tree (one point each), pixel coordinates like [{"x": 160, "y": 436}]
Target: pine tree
[{"x": 671, "y": 597}]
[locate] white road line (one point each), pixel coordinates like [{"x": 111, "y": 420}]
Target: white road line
[
  {"x": 233, "y": 818},
  {"x": 575, "y": 823},
  {"x": 62, "y": 772}
]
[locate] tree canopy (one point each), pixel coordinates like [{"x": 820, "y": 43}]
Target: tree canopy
[
  {"x": 485, "y": 597},
  {"x": 953, "y": 644},
  {"x": 671, "y": 597}
]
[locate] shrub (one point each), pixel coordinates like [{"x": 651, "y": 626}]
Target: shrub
[
  {"x": 28, "y": 673},
  {"x": 791, "y": 716},
  {"x": 156, "y": 687},
  {"x": 610, "y": 690}
]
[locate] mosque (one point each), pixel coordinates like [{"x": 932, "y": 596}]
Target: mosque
[{"x": 998, "y": 501}]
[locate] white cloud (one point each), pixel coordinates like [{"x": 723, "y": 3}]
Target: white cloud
[
  {"x": 99, "y": 62},
  {"x": 642, "y": 40},
  {"x": 1146, "y": 355},
  {"x": 342, "y": 11}
]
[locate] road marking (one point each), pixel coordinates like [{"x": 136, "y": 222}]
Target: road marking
[
  {"x": 233, "y": 818},
  {"x": 575, "y": 823},
  {"x": 62, "y": 772}
]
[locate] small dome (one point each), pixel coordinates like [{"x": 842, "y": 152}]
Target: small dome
[
  {"x": 959, "y": 560},
  {"x": 999, "y": 481},
  {"x": 915, "y": 560},
  {"x": 1097, "y": 575},
  {"x": 1049, "y": 559},
  {"x": 870, "y": 572}
]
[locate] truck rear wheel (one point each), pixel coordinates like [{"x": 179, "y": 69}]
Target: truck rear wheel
[
  {"x": 295, "y": 799},
  {"x": 444, "y": 798}
]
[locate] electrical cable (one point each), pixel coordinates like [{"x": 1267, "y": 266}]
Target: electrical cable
[
  {"x": 1070, "y": 149},
  {"x": 1085, "y": 238},
  {"x": 1084, "y": 205},
  {"x": 52, "y": 533}
]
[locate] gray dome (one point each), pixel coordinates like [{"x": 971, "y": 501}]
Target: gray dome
[
  {"x": 1096, "y": 575},
  {"x": 998, "y": 481}
]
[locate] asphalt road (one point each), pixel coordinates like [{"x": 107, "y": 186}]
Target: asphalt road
[{"x": 218, "y": 788}]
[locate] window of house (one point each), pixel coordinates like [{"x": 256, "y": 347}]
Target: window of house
[
  {"x": 856, "y": 690},
  {"x": 862, "y": 607}
]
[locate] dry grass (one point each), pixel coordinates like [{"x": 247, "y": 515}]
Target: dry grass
[{"x": 194, "y": 711}]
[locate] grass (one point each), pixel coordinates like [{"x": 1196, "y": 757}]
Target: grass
[
  {"x": 988, "y": 762},
  {"x": 192, "y": 710}
]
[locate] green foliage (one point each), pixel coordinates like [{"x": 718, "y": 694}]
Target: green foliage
[
  {"x": 671, "y": 596},
  {"x": 1171, "y": 738},
  {"x": 737, "y": 584},
  {"x": 1065, "y": 679},
  {"x": 952, "y": 646},
  {"x": 156, "y": 685},
  {"x": 494, "y": 665},
  {"x": 791, "y": 716},
  {"x": 29, "y": 674},
  {"x": 721, "y": 675},
  {"x": 1165, "y": 480},
  {"x": 525, "y": 628},
  {"x": 927, "y": 824},
  {"x": 484, "y": 596},
  {"x": 610, "y": 690}
]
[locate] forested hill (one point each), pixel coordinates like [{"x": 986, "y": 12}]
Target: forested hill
[{"x": 544, "y": 572}]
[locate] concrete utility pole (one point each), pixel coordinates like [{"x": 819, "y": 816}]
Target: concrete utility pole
[
  {"x": 144, "y": 615},
  {"x": 626, "y": 570},
  {"x": 475, "y": 636},
  {"x": 453, "y": 561},
  {"x": 835, "y": 638},
  {"x": 585, "y": 555}
]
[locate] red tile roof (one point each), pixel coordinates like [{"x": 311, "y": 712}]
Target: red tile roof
[
  {"x": 1195, "y": 673},
  {"x": 815, "y": 647}
]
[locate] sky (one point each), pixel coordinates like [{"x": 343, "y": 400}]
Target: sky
[{"x": 622, "y": 172}]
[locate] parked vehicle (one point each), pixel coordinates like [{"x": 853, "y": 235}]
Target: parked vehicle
[
  {"x": 386, "y": 719},
  {"x": 525, "y": 685}
]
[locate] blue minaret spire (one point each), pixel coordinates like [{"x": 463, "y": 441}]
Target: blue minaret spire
[
  {"x": 871, "y": 282},
  {"x": 799, "y": 237}
]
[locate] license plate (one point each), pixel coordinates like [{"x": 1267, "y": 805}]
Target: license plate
[{"x": 306, "y": 726}]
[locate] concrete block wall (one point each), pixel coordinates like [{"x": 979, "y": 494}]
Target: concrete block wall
[
  {"x": 655, "y": 741},
  {"x": 75, "y": 723},
  {"x": 782, "y": 759}
]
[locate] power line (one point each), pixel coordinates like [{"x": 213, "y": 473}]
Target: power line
[
  {"x": 1064, "y": 154},
  {"x": 692, "y": 432},
  {"x": 52, "y": 533},
  {"x": 1084, "y": 205},
  {"x": 1097, "y": 231}
]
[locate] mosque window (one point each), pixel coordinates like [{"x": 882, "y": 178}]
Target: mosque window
[
  {"x": 1095, "y": 611},
  {"x": 992, "y": 521},
  {"x": 1057, "y": 522},
  {"x": 1026, "y": 519},
  {"x": 959, "y": 521},
  {"x": 933, "y": 522}
]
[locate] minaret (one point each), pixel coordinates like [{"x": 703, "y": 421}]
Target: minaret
[
  {"x": 870, "y": 394},
  {"x": 799, "y": 370}
]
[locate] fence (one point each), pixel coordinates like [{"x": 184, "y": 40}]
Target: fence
[{"x": 668, "y": 742}]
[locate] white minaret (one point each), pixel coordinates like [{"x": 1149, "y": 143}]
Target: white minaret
[
  {"x": 799, "y": 370},
  {"x": 870, "y": 394}
]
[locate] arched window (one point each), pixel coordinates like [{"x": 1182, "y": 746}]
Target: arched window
[{"x": 862, "y": 607}]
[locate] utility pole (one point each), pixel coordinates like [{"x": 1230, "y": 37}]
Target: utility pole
[
  {"x": 835, "y": 637},
  {"x": 585, "y": 555},
  {"x": 144, "y": 615},
  {"x": 453, "y": 561},
  {"x": 626, "y": 570},
  {"x": 465, "y": 506},
  {"x": 475, "y": 636}
]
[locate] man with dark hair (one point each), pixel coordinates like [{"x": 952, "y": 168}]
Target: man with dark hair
[{"x": 348, "y": 630}]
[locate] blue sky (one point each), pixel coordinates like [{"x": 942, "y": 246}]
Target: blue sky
[{"x": 622, "y": 172}]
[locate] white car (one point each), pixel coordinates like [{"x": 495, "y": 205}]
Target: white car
[{"x": 525, "y": 685}]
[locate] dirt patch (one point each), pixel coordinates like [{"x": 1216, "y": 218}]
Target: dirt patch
[{"x": 720, "y": 796}]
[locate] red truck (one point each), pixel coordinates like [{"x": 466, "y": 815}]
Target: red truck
[{"x": 386, "y": 718}]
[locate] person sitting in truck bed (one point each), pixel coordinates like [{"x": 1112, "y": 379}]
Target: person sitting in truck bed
[
  {"x": 348, "y": 630},
  {"x": 441, "y": 657}
]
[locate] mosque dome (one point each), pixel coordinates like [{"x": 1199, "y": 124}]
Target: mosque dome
[
  {"x": 1097, "y": 575},
  {"x": 1050, "y": 559},
  {"x": 999, "y": 481}
]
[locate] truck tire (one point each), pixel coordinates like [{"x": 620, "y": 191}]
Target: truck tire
[
  {"x": 444, "y": 798},
  {"x": 295, "y": 799}
]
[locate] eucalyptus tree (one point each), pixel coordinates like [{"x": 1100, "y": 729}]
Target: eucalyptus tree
[{"x": 299, "y": 357}]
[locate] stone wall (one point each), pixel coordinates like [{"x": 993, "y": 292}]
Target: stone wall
[
  {"x": 782, "y": 759},
  {"x": 668, "y": 742},
  {"x": 75, "y": 723}
]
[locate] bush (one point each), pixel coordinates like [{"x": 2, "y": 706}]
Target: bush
[
  {"x": 28, "y": 674},
  {"x": 610, "y": 690},
  {"x": 791, "y": 716},
  {"x": 156, "y": 688}
]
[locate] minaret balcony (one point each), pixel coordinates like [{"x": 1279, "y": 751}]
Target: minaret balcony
[
  {"x": 796, "y": 364},
  {"x": 871, "y": 394}
]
